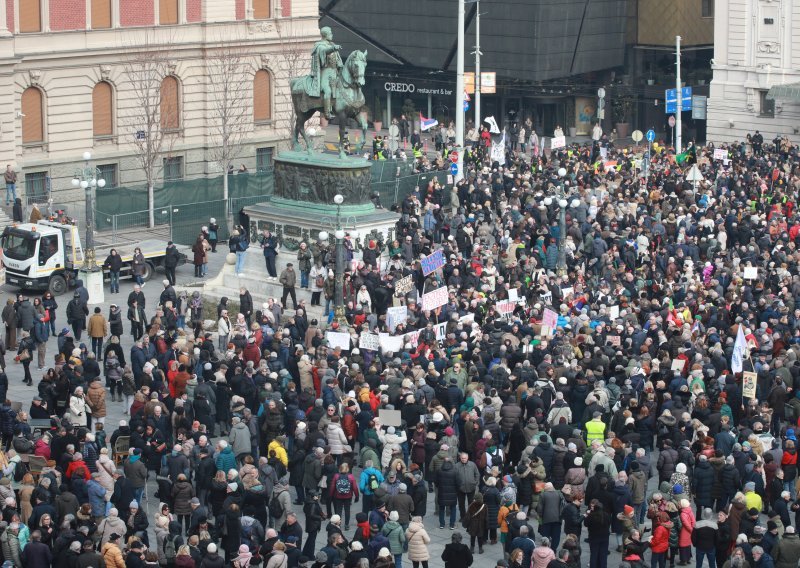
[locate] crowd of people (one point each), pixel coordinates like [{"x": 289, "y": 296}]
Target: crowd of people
[{"x": 612, "y": 373}]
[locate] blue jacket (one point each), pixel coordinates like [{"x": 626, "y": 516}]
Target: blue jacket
[
  {"x": 363, "y": 481},
  {"x": 97, "y": 498},
  {"x": 226, "y": 461}
]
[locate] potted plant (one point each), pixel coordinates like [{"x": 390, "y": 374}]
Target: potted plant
[{"x": 621, "y": 108}]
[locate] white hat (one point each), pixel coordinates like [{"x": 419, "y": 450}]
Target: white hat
[
  {"x": 211, "y": 548},
  {"x": 394, "y": 516}
]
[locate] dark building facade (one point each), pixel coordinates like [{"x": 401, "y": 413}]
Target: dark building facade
[{"x": 549, "y": 56}]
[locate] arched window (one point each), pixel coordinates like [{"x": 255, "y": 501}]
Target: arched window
[
  {"x": 33, "y": 116},
  {"x": 262, "y": 96},
  {"x": 261, "y": 9},
  {"x": 103, "y": 109},
  {"x": 170, "y": 104}
]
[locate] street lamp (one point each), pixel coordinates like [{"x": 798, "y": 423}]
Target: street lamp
[
  {"x": 338, "y": 296},
  {"x": 562, "y": 223},
  {"x": 88, "y": 178}
]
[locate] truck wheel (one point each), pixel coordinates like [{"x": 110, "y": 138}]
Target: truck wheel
[
  {"x": 58, "y": 285},
  {"x": 148, "y": 272}
]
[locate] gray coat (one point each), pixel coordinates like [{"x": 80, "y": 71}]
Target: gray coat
[
  {"x": 26, "y": 315},
  {"x": 239, "y": 439},
  {"x": 288, "y": 278},
  {"x": 467, "y": 476},
  {"x": 549, "y": 507}
]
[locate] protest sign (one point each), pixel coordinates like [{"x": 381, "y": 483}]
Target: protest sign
[
  {"x": 677, "y": 365},
  {"x": 369, "y": 341},
  {"x": 390, "y": 343},
  {"x": 396, "y": 316},
  {"x": 558, "y": 142},
  {"x": 749, "y": 384},
  {"x": 545, "y": 331},
  {"x": 338, "y": 339},
  {"x": 390, "y": 417},
  {"x": 435, "y": 298},
  {"x": 613, "y": 312},
  {"x": 547, "y": 298},
  {"x": 505, "y": 308},
  {"x": 441, "y": 331},
  {"x": 403, "y": 286},
  {"x": 613, "y": 340},
  {"x": 750, "y": 272},
  {"x": 720, "y": 154},
  {"x": 603, "y": 152},
  {"x": 550, "y": 318},
  {"x": 412, "y": 338},
  {"x": 432, "y": 262},
  {"x": 513, "y": 295},
  {"x": 566, "y": 292}
]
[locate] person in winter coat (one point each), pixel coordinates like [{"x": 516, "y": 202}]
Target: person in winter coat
[
  {"x": 239, "y": 439},
  {"x": 337, "y": 440},
  {"x": 418, "y": 541},
  {"x": 549, "y": 509},
  {"x": 477, "y": 518},
  {"x": 456, "y": 554},
  {"x": 659, "y": 544},
  {"x": 703, "y": 483},
  {"x": 96, "y": 400},
  {"x": 447, "y": 497},
  {"x": 598, "y": 523},
  {"x": 182, "y": 493},
  {"x": 467, "y": 478},
  {"x": 342, "y": 490},
  {"x": 110, "y": 525},
  {"x": 704, "y": 538},
  {"x": 112, "y": 554},
  {"x": 687, "y": 528},
  {"x": 397, "y": 537}
]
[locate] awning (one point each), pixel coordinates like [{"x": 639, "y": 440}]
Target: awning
[{"x": 790, "y": 91}]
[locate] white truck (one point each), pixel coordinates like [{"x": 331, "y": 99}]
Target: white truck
[{"x": 47, "y": 255}]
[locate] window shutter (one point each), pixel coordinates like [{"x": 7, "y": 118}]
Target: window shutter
[
  {"x": 101, "y": 14},
  {"x": 32, "y": 122},
  {"x": 170, "y": 109},
  {"x": 168, "y": 12},
  {"x": 102, "y": 99},
  {"x": 262, "y": 94},
  {"x": 30, "y": 16},
  {"x": 261, "y": 9}
]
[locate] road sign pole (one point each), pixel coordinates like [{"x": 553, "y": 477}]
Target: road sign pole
[
  {"x": 679, "y": 102},
  {"x": 460, "y": 88}
]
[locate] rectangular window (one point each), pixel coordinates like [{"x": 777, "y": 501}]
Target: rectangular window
[
  {"x": 261, "y": 9},
  {"x": 767, "y": 106},
  {"x": 30, "y": 16},
  {"x": 173, "y": 168},
  {"x": 36, "y": 186},
  {"x": 263, "y": 159},
  {"x": 168, "y": 12},
  {"x": 708, "y": 8},
  {"x": 101, "y": 14},
  {"x": 109, "y": 173}
]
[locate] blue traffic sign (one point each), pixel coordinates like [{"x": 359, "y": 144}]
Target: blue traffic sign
[
  {"x": 454, "y": 169},
  {"x": 671, "y": 99},
  {"x": 651, "y": 136},
  {"x": 466, "y": 106}
]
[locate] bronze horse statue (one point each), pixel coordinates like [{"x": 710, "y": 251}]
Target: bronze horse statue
[{"x": 348, "y": 101}]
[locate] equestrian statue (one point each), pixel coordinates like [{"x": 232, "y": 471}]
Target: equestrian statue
[{"x": 333, "y": 88}]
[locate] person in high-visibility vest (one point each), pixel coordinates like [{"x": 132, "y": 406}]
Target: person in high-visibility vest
[{"x": 595, "y": 428}]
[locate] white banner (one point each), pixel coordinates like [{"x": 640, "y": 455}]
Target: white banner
[
  {"x": 720, "y": 154},
  {"x": 390, "y": 343},
  {"x": 441, "y": 331},
  {"x": 558, "y": 142},
  {"x": 369, "y": 341},
  {"x": 505, "y": 308},
  {"x": 435, "y": 298},
  {"x": 396, "y": 316},
  {"x": 338, "y": 339}
]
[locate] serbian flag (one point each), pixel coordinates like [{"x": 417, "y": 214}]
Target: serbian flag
[{"x": 427, "y": 123}]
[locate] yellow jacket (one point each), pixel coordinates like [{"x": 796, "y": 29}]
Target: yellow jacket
[{"x": 280, "y": 452}]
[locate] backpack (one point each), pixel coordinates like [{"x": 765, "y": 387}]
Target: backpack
[
  {"x": 275, "y": 507},
  {"x": 372, "y": 482},
  {"x": 169, "y": 548},
  {"x": 20, "y": 470},
  {"x": 343, "y": 486},
  {"x": 242, "y": 245}
]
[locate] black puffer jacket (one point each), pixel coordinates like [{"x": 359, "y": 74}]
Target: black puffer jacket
[
  {"x": 729, "y": 479},
  {"x": 558, "y": 471},
  {"x": 446, "y": 481},
  {"x": 703, "y": 483},
  {"x": 667, "y": 460}
]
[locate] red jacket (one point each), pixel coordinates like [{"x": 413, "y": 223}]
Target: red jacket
[
  {"x": 349, "y": 495},
  {"x": 660, "y": 541}
]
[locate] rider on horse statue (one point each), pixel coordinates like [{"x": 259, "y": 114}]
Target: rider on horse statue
[{"x": 325, "y": 65}]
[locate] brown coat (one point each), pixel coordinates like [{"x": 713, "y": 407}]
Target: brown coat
[
  {"x": 97, "y": 325},
  {"x": 96, "y": 399},
  {"x": 25, "y": 506},
  {"x": 112, "y": 556}
]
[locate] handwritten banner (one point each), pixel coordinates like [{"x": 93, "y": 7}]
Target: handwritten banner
[
  {"x": 550, "y": 318},
  {"x": 390, "y": 343},
  {"x": 395, "y": 316},
  {"x": 338, "y": 339},
  {"x": 505, "y": 308},
  {"x": 720, "y": 154},
  {"x": 749, "y": 384},
  {"x": 370, "y": 342},
  {"x": 435, "y": 298},
  {"x": 403, "y": 286},
  {"x": 432, "y": 262},
  {"x": 558, "y": 142}
]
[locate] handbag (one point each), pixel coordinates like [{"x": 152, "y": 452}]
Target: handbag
[{"x": 24, "y": 355}]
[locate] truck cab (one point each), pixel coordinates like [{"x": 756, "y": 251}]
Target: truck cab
[{"x": 41, "y": 256}]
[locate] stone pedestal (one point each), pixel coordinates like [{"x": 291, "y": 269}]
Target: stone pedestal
[
  {"x": 93, "y": 282},
  {"x": 302, "y": 205}
]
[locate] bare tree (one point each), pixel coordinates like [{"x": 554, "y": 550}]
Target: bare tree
[
  {"x": 288, "y": 61},
  {"x": 145, "y": 120},
  {"x": 229, "y": 107}
]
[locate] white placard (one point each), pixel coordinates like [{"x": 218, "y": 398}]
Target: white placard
[
  {"x": 505, "y": 308},
  {"x": 677, "y": 365},
  {"x": 435, "y": 298},
  {"x": 441, "y": 331},
  {"x": 513, "y": 295},
  {"x": 396, "y": 316},
  {"x": 369, "y": 341},
  {"x": 750, "y": 272},
  {"x": 412, "y": 338},
  {"x": 390, "y": 417},
  {"x": 547, "y": 298},
  {"x": 565, "y": 292},
  {"x": 720, "y": 154},
  {"x": 390, "y": 343},
  {"x": 338, "y": 339},
  {"x": 603, "y": 152},
  {"x": 558, "y": 142},
  {"x": 613, "y": 312},
  {"x": 403, "y": 286}
]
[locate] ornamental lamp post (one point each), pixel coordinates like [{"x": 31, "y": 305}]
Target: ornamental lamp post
[
  {"x": 338, "y": 297},
  {"x": 88, "y": 178}
]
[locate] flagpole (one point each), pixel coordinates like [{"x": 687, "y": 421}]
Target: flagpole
[
  {"x": 679, "y": 96},
  {"x": 460, "y": 93}
]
